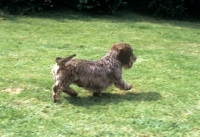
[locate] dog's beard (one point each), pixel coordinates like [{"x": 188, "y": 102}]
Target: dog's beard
[{"x": 130, "y": 64}]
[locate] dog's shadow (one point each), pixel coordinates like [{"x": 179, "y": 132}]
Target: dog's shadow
[{"x": 114, "y": 98}]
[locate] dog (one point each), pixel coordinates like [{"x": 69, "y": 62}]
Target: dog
[{"x": 94, "y": 76}]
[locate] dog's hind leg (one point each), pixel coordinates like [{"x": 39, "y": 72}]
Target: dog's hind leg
[
  {"x": 97, "y": 93},
  {"x": 56, "y": 92},
  {"x": 70, "y": 91}
]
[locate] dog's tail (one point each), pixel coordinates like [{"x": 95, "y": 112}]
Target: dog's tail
[{"x": 60, "y": 61}]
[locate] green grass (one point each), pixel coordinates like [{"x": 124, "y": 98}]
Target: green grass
[{"x": 164, "y": 100}]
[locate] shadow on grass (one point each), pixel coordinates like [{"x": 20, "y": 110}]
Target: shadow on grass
[
  {"x": 118, "y": 17},
  {"x": 114, "y": 98}
]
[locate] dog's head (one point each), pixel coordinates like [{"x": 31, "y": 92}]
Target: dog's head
[{"x": 124, "y": 54}]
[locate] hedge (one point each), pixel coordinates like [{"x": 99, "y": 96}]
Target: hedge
[{"x": 163, "y": 8}]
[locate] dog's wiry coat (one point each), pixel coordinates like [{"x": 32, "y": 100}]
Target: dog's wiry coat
[{"x": 94, "y": 76}]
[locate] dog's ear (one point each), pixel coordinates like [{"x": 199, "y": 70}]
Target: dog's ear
[
  {"x": 124, "y": 52},
  {"x": 124, "y": 56}
]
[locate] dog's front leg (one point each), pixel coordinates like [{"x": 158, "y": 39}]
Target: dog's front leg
[{"x": 121, "y": 84}]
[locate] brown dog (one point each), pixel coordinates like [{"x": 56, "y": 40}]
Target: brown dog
[{"x": 94, "y": 76}]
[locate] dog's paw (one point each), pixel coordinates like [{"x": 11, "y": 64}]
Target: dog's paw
[
  {"x": 56, "y": 100},
  {"x": 128, "y": 87}
]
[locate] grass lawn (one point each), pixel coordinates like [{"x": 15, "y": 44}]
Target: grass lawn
[{"x": 164, "y": 100}]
